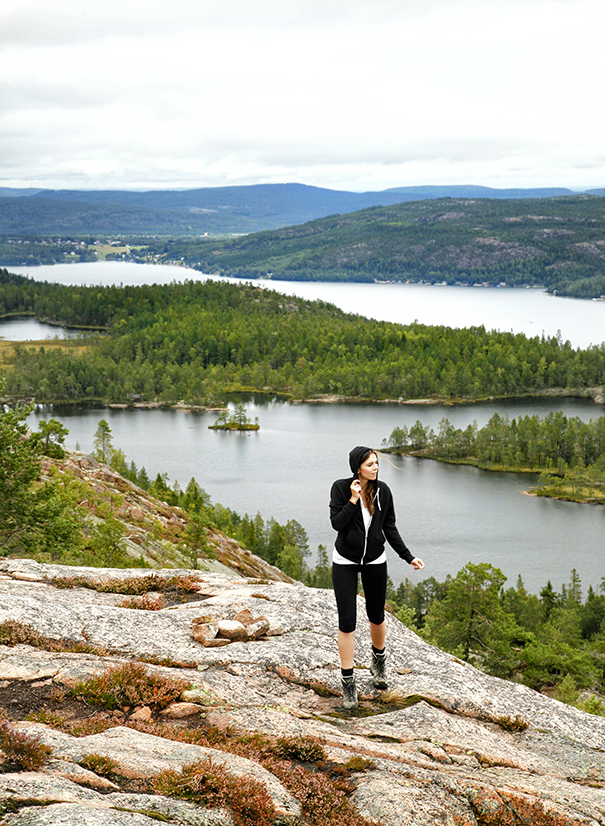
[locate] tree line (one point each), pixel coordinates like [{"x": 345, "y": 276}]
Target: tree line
[
  {"x": 554, "y": 642},
  {"x": 568, "y": 452},
  {"x": 198, "y": 341}
]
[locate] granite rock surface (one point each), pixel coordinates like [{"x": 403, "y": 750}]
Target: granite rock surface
[{"x": 437, "y": 748}]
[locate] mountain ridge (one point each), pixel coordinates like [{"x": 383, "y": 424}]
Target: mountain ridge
[{"x": 216, "y": 210}]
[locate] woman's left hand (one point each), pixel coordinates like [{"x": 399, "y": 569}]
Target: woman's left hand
[{"x": 417, "y": 564}]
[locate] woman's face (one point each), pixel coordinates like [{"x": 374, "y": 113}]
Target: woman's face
[{"x": 369, "y": 469}]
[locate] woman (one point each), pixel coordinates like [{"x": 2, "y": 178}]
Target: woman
[{"x": 361, "y": 510}]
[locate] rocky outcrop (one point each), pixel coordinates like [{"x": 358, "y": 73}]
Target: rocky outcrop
[
  {"x": 154, "y": 530},
  {"x": 437, "y": 740}
]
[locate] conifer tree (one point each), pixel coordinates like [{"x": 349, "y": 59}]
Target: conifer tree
[{"x": 103, "y": 442}]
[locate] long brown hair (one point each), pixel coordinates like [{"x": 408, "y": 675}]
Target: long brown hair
[{"x": 369, "y": 493}]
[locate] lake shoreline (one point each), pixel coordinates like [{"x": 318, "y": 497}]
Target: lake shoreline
[
  {"x": 545, "y": 493},
  {"x": 594, "y": 393},
  {"x": 44, "y": 320}
]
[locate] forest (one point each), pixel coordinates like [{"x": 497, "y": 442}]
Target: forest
[
  {"x": 198, "y": 342},
  {"x": 553, "y": 642},
  {"x": 568, "y": 452},
  {"x": 211, "y": 210}
]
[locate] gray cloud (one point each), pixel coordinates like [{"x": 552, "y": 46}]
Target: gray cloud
[
  {"x": 35, "y": 95},
  {"x": 38, "y": 22},
  {"x": 324, "y": 91}
]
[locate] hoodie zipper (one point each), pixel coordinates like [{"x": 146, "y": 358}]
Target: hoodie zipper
[
  {"x": 365, "y": 543},
  {"x": 366, "y": 532}
]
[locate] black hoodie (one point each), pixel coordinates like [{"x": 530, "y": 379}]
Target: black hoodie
[{"x": 347, "y": 519}]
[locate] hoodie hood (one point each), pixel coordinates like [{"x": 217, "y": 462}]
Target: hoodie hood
[{"x": 356, "y": 457}]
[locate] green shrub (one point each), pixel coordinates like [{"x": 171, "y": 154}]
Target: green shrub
[
  {"x": 134, "y": 586},
  {"x": 16, "y": 633},
  {"x": 512, "y": 723},
  {"x": 356, "y": 763},
  {"x": 99, "y": 764},
  {"x": 54, "y": 719},
  {"x": 324, "y": 801},
  {"x": 95, "y": 724},
  {"x": 143, "y": 603},
  {"x": 593, "y": 706},
  {"x": 130, "y": 684},
  {"x": 566, "y": 691},
  {"x": 299, "y": 748}
]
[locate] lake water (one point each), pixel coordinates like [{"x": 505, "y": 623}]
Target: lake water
[
  {"x": 448, "y": 515},
  {"x": 528, "y": 311},
  {"x": 30, "y": 329}
]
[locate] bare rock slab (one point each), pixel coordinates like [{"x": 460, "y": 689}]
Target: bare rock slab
[
  {"x": 103, "y": 814},
  {"x": 430, "y": 758}
]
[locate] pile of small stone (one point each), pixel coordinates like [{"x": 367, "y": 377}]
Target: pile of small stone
[{"x": 242, "y": 628}]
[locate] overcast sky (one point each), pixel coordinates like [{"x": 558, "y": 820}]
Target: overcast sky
[{"x": 348, "y": 94}]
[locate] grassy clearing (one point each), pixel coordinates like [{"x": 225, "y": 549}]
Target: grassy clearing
[
  {"x": 103, "y": 250},
  {"x": 72, "y": 346}
]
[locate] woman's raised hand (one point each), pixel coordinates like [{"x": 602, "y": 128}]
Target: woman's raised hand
[
  {"x": 355, "y": 491},
  {"x": 417, "y": 564}
]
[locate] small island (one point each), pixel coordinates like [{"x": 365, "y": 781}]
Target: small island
[
  {"x": 238, "y": 420},
  {"x": 568, "y": 453}
]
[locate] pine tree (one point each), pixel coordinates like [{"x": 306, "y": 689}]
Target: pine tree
[
  {"x": 103, "y": 442},
  {"x": 471, "y": 623}
]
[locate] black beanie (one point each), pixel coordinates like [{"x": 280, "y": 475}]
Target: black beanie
[{"x": 356, "y": 457}]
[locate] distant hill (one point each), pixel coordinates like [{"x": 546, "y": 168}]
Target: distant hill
[
  {"x": 217, "y": 210},
  {"x": 557, "y": 242},
  {"x": 418, "y": 193},
  {"x": 11, "y": 192}
]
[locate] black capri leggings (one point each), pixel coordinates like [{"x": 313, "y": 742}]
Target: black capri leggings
[{"x": 374, "y": 581}]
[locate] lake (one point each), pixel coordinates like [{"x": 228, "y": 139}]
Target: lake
[
  {"x": 24, "y": 328},
  {"x": 449, "y": 515},
  {"x": 528, "y": 311}
]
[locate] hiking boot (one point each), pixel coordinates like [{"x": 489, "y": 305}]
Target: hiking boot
[
  {"x": 378, "y": 670},
  {"x": 349, "y": 692}
]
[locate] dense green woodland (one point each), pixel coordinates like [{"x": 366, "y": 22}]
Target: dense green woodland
[
  {"x": 569, "y": 452},
  {"x": 198, "y": 341},
  {"x": 552, "y": 641},
  {"x": 213, "y": 210},
  {"x": 556, "y": 242}
]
